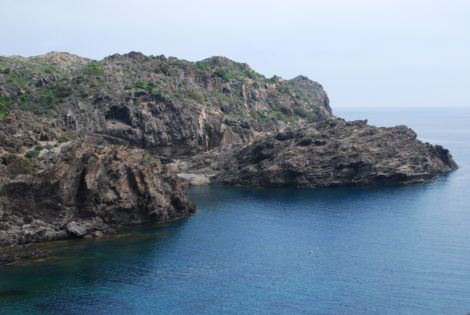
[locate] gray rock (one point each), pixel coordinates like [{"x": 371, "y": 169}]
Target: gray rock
[{"x": 76, "y": 229}]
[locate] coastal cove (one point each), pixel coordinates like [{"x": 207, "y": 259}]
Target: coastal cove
[{"x": 399, "y": 248}]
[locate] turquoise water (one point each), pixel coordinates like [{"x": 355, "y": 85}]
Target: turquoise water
[{"x": 396, "y": 249}]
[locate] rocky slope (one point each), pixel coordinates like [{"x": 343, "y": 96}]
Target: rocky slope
[
  {"x": 162, "y": 104},
  {"x": 90, "y": 146}
]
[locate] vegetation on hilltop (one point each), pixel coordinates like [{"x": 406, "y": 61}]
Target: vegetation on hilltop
[{"x": 58, "y": 83}]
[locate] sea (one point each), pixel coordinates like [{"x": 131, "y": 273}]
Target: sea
[{"x": 401, "y": 249}]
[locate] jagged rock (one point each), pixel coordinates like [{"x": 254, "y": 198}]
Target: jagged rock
[{"x": 333, "y": 153}]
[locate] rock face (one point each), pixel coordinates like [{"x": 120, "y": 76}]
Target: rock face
[
  {"x": 166, "y": 105},
  {"x": 81, "y": 188},
  {"x": 89, "y": 146},
  {"x": 333, "y": 153}
]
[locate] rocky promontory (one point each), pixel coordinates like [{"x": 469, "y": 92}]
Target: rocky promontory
[
  {"x": 90, "y": 146},
  {"x": 334, "y": 152}
]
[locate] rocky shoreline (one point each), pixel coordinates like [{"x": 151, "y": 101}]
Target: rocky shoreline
[
  {"x": 335, "y": 153},
  {"x": 88, "y": 147}
]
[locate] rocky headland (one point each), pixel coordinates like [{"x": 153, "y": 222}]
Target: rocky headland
[{"x": 89, "y": 146}]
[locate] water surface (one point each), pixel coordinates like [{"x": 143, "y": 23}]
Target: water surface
[{"x": 395, "y": 249}]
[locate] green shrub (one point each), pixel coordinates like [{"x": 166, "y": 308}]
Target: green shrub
[
  {"x": 94, "y": 68},
  {"x": 25, "y": 100},
  {"x": 203, "y": 66},
  {"x": 19, "y": 80},
  {"x": 21, "y": 165},
  {"x": 5, "y": 103},
  {"x": 78, "y": 80},
  {"x": 225, "y": 74},
  {"x": 62, "y": 91},
  {"x": 3, "y": 111},
  {"x": 282, "y": 89},
  {"x": 304, "y": 113},
  {"x": 197, "y": 97},
  {"x": 259, "y": 115},
  {"x": 265, "y": 115},
  {"x": 5, "y": 70},
  {"x": 273, "y": 79},
  {"x": 251, "y": 74},
  {"x": 86, "y": 110},
  {"x": 31, "y": 154},
  {"x": 221, "y": 96},
  {"x": 63, "y": 138},
  {"x": 48, "y": 99},
  {"x": 146, "y": 159},
  {"x": 284, "y": 117},
  {"x": 50, "y": 70},
  {"x": 141, "y": 84},
  {"x": 165, "y": 69},
  {"x": 146, "y": 86},
  {"x": 38, "y": 148}
]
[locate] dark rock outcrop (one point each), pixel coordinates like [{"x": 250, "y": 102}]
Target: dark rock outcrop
[{"x": 333, "y": 153}]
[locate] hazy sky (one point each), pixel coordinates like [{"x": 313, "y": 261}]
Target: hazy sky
[{"x": 364, "y": 52}]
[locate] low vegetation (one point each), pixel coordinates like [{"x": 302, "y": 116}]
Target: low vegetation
[{"x": 46, "y": 86}]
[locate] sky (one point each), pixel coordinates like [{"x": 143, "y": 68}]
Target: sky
[{"x": 366, "y": 53}]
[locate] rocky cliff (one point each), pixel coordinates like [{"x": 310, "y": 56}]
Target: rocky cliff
[
  {"x": 53, "y": 188},
  {"x": 88, "y": 146},
  {"x": 165, "y": 105}
]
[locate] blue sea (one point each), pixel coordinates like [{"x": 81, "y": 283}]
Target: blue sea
[{"x": 355, "y": 250}]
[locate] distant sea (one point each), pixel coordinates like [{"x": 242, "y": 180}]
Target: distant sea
[{"x": 359, "y": 250}]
